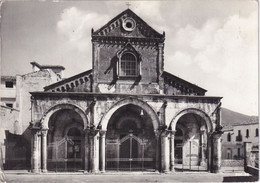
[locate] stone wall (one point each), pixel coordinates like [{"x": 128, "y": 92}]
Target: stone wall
[
  {"x": 34, "y": 81},
  {"x": 105, "y": 66}
]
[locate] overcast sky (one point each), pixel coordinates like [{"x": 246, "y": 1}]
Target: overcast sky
[{"x": 211, "y": 43}]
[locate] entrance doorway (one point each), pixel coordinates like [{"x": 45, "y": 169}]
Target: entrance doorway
[
  {"x": 130, "y": 141},
  {"x": 190, "y": 143},
  {"x": 130, "y": 147},
  {"x": 65, "y": 141}
]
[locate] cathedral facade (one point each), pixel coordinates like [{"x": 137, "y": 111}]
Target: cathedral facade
[{"x": 126, "y": 113}]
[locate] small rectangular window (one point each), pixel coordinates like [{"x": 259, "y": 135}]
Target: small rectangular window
[
  {"x": 247, "y": 133},
  {"x": 9, "y": 105},
  {"x": 239, "y": 132},
  {"x": 9, "y": 84},
  {"x": 238, "y": 152}
]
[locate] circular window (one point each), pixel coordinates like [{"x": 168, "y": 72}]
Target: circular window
[{"x": 129, "y": 24}]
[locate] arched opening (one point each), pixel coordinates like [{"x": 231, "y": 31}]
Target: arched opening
[
  {"x": 191, "y": 143},
  {"x": 128, "y": 65},
  {"x": 65, "y": 141},
  {"x": 130, "y": 140}
]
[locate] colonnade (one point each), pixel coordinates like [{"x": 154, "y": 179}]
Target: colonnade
[{"x": 95, "y": 151}]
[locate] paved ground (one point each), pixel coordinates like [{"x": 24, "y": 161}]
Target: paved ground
[{"x": 129, "y": 177}]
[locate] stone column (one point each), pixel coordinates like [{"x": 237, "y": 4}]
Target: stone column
[
  {"x": 172, "y": 155},
  {"x": 44, "y": 150},
  {"x": 103, "y": 150},
  {"x": 35, "y": 152},
  {"x": 203, "y": 157},
  {"x": 216, "y": 152},
  {"x": 86, "y": 151},
  {"x": 158, "y": 150},
  {"x": 94, "y": 151},
  {"x": 247, "y": 153},
  {"x": 165, "y": 153}
]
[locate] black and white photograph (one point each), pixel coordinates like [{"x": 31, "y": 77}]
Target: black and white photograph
[{"x": 129, "y": 91}]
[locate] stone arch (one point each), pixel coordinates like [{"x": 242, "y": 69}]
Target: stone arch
[
  {"x": 121, "y": 121},
  {"x": 46, "y": 117},
  {"x": 146, "y": 107},
  {"x": 200, "y": 113},
  {"x": 73, "y": 125}
]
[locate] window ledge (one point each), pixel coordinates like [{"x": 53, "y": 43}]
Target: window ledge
[{"x": 129, "y": 77}]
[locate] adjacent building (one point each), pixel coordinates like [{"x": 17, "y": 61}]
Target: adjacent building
[
  {"x": 16, "y": 112},
  {"x": 235, "y": 136}
]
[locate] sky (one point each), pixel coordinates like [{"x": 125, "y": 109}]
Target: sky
[{"x": 211, "y": 43}]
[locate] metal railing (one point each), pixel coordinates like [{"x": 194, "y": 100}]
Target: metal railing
[{"x": 232, "y": 165}]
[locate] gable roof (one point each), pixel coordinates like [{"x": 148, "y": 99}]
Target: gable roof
[
  {"x": 182, "y": 81},
  {"x": 128, "y": 12},
  {"x": 8, "y": 78},
  {"x": 252, "y": 120},
  {"x": 67, "y": 80},
  {"x": 47, "y": 66}
]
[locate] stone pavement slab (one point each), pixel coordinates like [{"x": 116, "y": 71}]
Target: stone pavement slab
[{"x": 131, "y": 177}]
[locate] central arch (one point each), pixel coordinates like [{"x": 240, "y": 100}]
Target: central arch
[
  {"x": 139, "y": 103},
  {"x": 130, "y": 137}
]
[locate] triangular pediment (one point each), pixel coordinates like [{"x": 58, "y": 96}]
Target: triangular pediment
[
  {"x": 128, "y": 48},
  {"x": 128, "y": 24}
]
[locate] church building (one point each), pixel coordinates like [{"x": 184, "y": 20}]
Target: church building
[{"x": 127, "y": 113}]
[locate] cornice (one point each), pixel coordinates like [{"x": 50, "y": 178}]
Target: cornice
[
  {"x": 124, "y": 40},
  {"x": 91, "y": 95}
]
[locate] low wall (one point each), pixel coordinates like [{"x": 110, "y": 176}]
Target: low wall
[{"x": 252, "y": 170}]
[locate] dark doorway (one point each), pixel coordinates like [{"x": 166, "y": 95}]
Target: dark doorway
[{"x": 130, "y": 141}]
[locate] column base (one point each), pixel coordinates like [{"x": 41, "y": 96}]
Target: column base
[
  {"x": 173, "y": 170},
  {"x": 216, "y": 171},
  {"x": 95, "y": 171},
  {"x": 44, "y": 171},
  {"x": 35, "y": 171},
  {"x": 203, "y": 163},
  {"x": 166, "y": 171},
  {"x": 102, "y": 171},
  {"x": 86, "y": 172}
]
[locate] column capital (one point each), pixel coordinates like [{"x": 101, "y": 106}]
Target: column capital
[
  {"x": 102, "y": 133},
  {"x": 217, "y": 134},
  {"x": 35, "y": 131},
  {"x": 172, "y": 133},
  {"x": 165, "y": 133},
  {"x": 44, "y": 131},
  {"x": 202, "y": 131},
  {"x": 92, "y": 132}
]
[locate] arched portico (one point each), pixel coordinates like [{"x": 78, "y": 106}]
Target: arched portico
[
  {"x": 198, "y": 112},
  {"x": 146, "y": 107},
  {"x": 130, "y": 127},
  {"x": 62, "y": 143},
  {"x": 46, "y": 117},
  {"x": 190, "y": 144}
]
